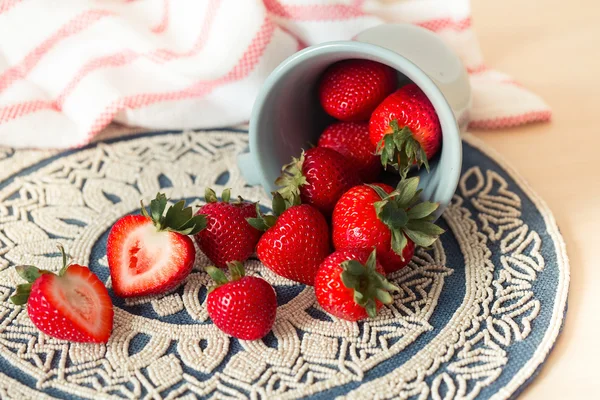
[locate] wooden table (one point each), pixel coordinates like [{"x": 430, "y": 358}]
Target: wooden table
[{"x": 553, "y": 48}]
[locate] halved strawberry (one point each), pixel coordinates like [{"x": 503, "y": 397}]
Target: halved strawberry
[
  {"x": 73, "y": 305},
  {"x": 150, "y": 254}
]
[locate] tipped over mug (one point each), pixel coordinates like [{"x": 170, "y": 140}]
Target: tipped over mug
[{"x": 287, "y": 114}]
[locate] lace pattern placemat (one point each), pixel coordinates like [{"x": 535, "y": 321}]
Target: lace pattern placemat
[{"x": 476, "y": 317}]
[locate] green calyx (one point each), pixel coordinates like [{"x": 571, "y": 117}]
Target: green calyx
[
  {"x": 178, "y": 219},
  {"x": 31, "y": 274},
  {"x": 264, "y": 221},
  {"x": 368, "y": 284},
  {"x": 401, "y": 150},
  {"x": 405, "y": 216},
  {"x": 291, "y": 180},
  {"x": 211, "y": 197},
  {"x": 236, "y": 271}
]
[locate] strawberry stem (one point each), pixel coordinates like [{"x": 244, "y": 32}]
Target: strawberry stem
[
  {"x": 401, "y": 150},
  {"x": 368, "y": 284}
]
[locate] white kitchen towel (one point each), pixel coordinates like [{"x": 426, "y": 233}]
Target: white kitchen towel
[{"x": 68, "y": 68}]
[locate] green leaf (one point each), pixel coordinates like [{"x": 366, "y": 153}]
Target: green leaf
[
  {"x": 226, "y": 195},
  {"x": 258, "y": 223},
  {"x": 379, "y": 190},
  {"x": 291, "y": 180},
  {"x": 371, "y": 308},
  {"x": 420, "y": 239},
  {"x": 236, "y": 269},
  {"x": 279, "y": 205},
  {"x": 426, "y": 227},
  {"x": 28, "y": 272},
  {"x": 157, "y": 207},
  {"x": 390, "y": 287},
  {"x": 359, "y": 298},
  {"x": 210, "y": 196},
  {"x": 194, "y": 225},
  {"x": 423, "y": 158},
  {"x": 177, "y": 215},
  {"x": 399, "y": 242},
  {"x": 217, "y": 275},
  {"x": 392, "y": 216},
  {"x": 371, "y": 263},
  {"x": 353, "y": 267},
  {"x": 21, "y": 294},
  {"x": 270, "y": 220},
  {"x": 384, "y": 296},
  {"x": 422, "y": 210},
  {"x": 407, "y": 189},
  {"x": 349, "y": 280}
]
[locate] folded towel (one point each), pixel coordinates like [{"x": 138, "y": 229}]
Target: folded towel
[{"x": 69, "y": 68}]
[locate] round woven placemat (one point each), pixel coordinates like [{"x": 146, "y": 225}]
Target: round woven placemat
[{"x": 476, "y": 317}]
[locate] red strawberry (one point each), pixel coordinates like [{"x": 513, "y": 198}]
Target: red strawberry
[
  {"x": 243, "y": 307},
  {"x": 73, "y": 305},
  {"x": 406, "y": 129},
  {"x": 228, "y": 236},
  {"x": 351, "y": 139},
  {"x": 319, "y": 177},
  {"x": 295, "y": 242},
  {"x": 150, "y": 254},
  {"x": 350, "y": 90},
  {"x": 351, "y": 285},
  {"x": 392, "y": 221}
]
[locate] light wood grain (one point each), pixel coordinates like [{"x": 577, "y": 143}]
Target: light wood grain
[{"x": 553, "y": 48}]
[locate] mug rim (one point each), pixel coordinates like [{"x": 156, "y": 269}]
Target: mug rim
[{"x": 451, "y": 137}]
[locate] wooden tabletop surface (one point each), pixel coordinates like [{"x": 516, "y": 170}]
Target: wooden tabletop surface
[{"x": 553, "y": 48}]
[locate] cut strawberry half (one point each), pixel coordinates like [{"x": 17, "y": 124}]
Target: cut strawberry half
[
  {"x": 151, "y": 254},
  {"x": 73, "y": 305}
]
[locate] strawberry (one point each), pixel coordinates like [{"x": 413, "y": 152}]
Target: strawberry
[
  {"x": 351, "y": 139},
  {"x": 243, "y": 307},
  {"x": 72, "y": 305},
  {"x": 295, "y": 242},
  {"x": 392, "y": 221},
  {"x": 227, "y": 236},
  {"x": 319, "y": 177},
  {"x": 351, "y": 284},
  {"x": 350, "y": 90},
  {"x": 406, "y": 129},
  {"x": 150, "y": 254}
]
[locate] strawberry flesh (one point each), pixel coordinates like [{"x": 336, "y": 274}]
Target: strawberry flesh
[
  {"x": 145, "y": 261},
  {"x": 74, "y": 307}
]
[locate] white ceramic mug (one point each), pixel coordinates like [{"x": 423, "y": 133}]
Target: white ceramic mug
[{"x": 287, "y": 114}]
